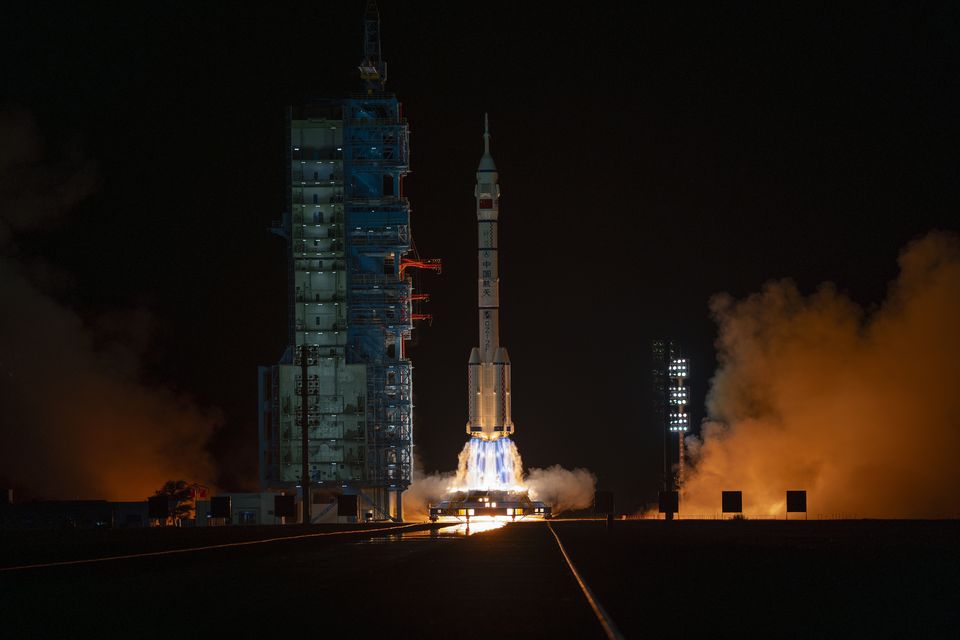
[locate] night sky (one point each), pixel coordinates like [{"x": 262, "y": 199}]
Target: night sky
[{"x": 649, "y": 158}]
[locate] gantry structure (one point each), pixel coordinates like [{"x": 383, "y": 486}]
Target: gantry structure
[{"x": 336, "y": 413}]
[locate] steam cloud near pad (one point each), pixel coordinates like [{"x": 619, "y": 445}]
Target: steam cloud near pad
[{"x": 560, "y": 489}]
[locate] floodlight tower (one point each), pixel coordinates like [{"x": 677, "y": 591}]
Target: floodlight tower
[
  {"x": 671, "y": 371},
  {"x": 678, "y": 372}
]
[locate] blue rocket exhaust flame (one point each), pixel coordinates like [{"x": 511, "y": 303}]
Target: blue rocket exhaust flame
[{"x": 490, "y": 465}]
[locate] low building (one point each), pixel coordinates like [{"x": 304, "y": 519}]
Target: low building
[{"x": 258, "y": 509}]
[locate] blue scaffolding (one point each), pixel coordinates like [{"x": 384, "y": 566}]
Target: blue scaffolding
[
  {"x": 347, "y": 228},
  {"x": 379, "y": 314}
]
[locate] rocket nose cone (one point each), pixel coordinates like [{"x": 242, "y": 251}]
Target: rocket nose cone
[
  {"x": 486, "y": 163},
  {"x": 474, "y": 356},
  {"x": 501, "y": 356}
]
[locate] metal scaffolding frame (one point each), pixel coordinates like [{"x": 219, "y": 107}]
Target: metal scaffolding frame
[
  {"x": 379, "y": 317},
  {"x": 350, "y": 296}
]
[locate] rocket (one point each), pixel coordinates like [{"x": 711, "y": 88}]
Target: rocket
[{"x": 488, "y": 371}]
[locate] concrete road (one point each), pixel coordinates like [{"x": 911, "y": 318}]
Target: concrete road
[
  {"x": 505, "y": 583},
  {"x": 655, "y": 579}
]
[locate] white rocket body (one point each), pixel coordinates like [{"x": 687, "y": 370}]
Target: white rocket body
[{"x": 488, "y": 372}]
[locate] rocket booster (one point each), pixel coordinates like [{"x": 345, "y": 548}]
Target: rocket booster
[{"x": 488, "y": 372}]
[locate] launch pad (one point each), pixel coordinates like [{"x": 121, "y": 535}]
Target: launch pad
[{"x": 462, "y": 506}]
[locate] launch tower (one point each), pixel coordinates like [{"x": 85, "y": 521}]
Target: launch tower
[{"x": 339, "y": 402}]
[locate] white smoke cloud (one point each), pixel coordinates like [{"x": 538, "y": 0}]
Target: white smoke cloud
[
  {"x": 425, "y": 489},
  {"x": 562, "y": 489}
]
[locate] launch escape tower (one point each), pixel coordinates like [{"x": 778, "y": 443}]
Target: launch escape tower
[
  {"x": 671, "y": 395},
  {"x": 347, "y": 227}
]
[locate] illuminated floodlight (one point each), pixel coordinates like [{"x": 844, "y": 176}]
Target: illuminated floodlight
[
  {"x": 679, "y": 422},
  {"x": 678, "y": 367}
]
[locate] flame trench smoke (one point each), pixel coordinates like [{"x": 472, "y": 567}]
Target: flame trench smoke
[
  {"x": 496, "y": 465},
  {"x": 858, "y": 408},
  {"x": 77, "y": 419}
]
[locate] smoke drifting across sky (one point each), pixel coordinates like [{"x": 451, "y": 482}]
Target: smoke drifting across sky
[
  {"x": 859, "y": 408},
  {"x": 77, "y": 420}
]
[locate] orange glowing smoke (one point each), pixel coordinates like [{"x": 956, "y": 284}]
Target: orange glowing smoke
[
  {"x": 77, "y": 419},
  {"x": 861, "y": 409}
]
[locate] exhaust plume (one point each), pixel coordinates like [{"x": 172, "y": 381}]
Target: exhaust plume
[
  {"x": 490, "y": 464},
  {"x": 859, "y": 408},
  {"x": 77, "y": 419},
  {"x": 562, "y": 489},
  {"x": 496, "y": 465},
  {"x": 425, "y": 489}
]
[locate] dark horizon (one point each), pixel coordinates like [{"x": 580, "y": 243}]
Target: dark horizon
[{"x": 649, "y": 160}]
